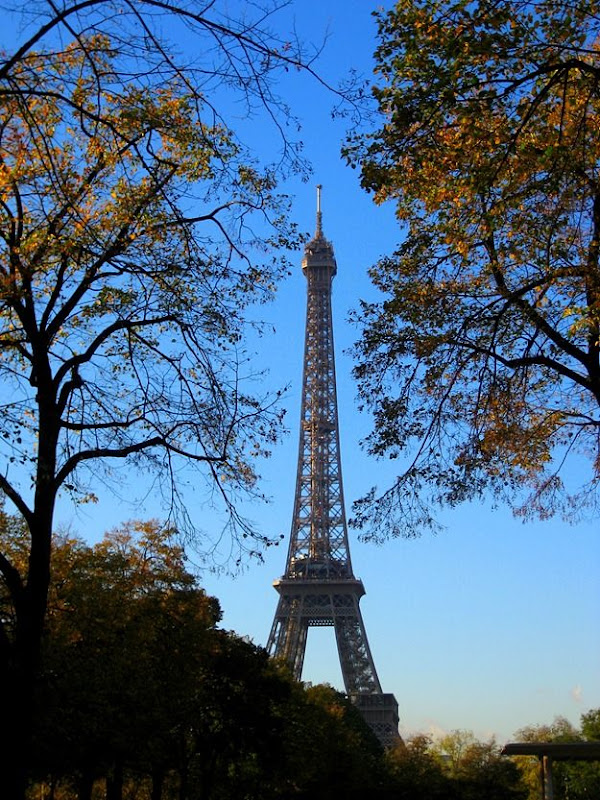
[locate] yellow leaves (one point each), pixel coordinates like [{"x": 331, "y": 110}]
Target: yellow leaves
[
  {"x": 462, "y": 248},
  {"x": 86, "y": 498},
  {"x": 583, "y": 322},
  {"x": 92, "y": 180}
]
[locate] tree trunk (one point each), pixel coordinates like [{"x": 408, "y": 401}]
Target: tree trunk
[
  {"x": 114, "y": 783},
  {"x": 86, "y": 784},
  {"x": 17, "y": 716},
  {"x": 158, "y": 779},
  {"x": 19, "y": 669},
  {"x": 183, "y": 782},
  {"x": 29, "y": 594},
  {"x": 18, "y": 681}
]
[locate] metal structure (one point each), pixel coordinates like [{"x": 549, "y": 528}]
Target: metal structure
[
  {"x": 548, "y": 752},
  {"x": 319, "y": 587}
]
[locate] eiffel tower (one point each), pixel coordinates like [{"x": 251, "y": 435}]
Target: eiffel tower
[{"x": 319, "y": 587}]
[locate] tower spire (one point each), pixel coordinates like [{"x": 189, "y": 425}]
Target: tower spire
[
  {"x": 318, "y": 586},
  {"x": 319, "y": 231}
]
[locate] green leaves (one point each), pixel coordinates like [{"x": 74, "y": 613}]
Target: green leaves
[
  {"x": 458, "y": 766},
  {"x": 572, "y": 779}
]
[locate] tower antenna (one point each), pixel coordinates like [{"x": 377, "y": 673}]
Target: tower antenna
[{"x": 319, "y": 231}]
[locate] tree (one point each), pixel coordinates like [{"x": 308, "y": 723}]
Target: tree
[
  {"x": 483, "y": 772},
  {"x": 477, "y": 769},
  {"x": 456, "y": 767},
  {"x": 141, "y": 692},
  {"x": 127, "y": 639},
  {"x": 590, "y": 725},
  {"x": 416, "y": 772},
  {"x": 135, "y": 228},
  {"x": 232, "y": 738},
  {"x": 573, "y": 780},
  {"x": 484, "y": 353},
  {"x": 329, "y": 749}
]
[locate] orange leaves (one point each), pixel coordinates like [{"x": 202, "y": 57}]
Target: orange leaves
[
  {"x": 96, "y": 168},
  {"x": 487, "y": 339}
]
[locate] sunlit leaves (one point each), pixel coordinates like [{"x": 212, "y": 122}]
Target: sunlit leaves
[
  {"x": 125, "y": 265},
  {"x": 135, "y": 228},
  {"x": 489, "y": 333}
]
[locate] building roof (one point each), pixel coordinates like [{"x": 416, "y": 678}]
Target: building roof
[{"x": 560, "y": 751}]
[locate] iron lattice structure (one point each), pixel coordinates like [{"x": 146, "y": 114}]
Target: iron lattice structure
[{"x": 319, "y": 587}]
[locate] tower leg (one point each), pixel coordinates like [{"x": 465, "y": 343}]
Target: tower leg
[
  {"x": 287, "y": 639},
  {"x": 380, "y": 712},
  {"x": 335, "y": 603},
  {"x": 356, "y": 661}
]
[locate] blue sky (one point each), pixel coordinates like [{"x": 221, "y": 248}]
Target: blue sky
[{"x": 490, "y": 625}]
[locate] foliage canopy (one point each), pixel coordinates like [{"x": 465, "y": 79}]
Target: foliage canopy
[
  {"x": 484, "y": 353},
  {"x": 140, "y": 691},
  {"x": 135, "y": 229},
  {"x": 127, "y": 259},
  {"x": 573, "y": 780}
]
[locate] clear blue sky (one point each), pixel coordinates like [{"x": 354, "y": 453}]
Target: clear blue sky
[{"x": 489, "y": 626}]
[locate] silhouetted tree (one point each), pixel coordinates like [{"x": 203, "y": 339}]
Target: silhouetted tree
[{"x": 135, "y": 228}]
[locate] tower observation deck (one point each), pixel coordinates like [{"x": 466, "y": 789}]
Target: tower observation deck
[{"x": 319, "y": 587}]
